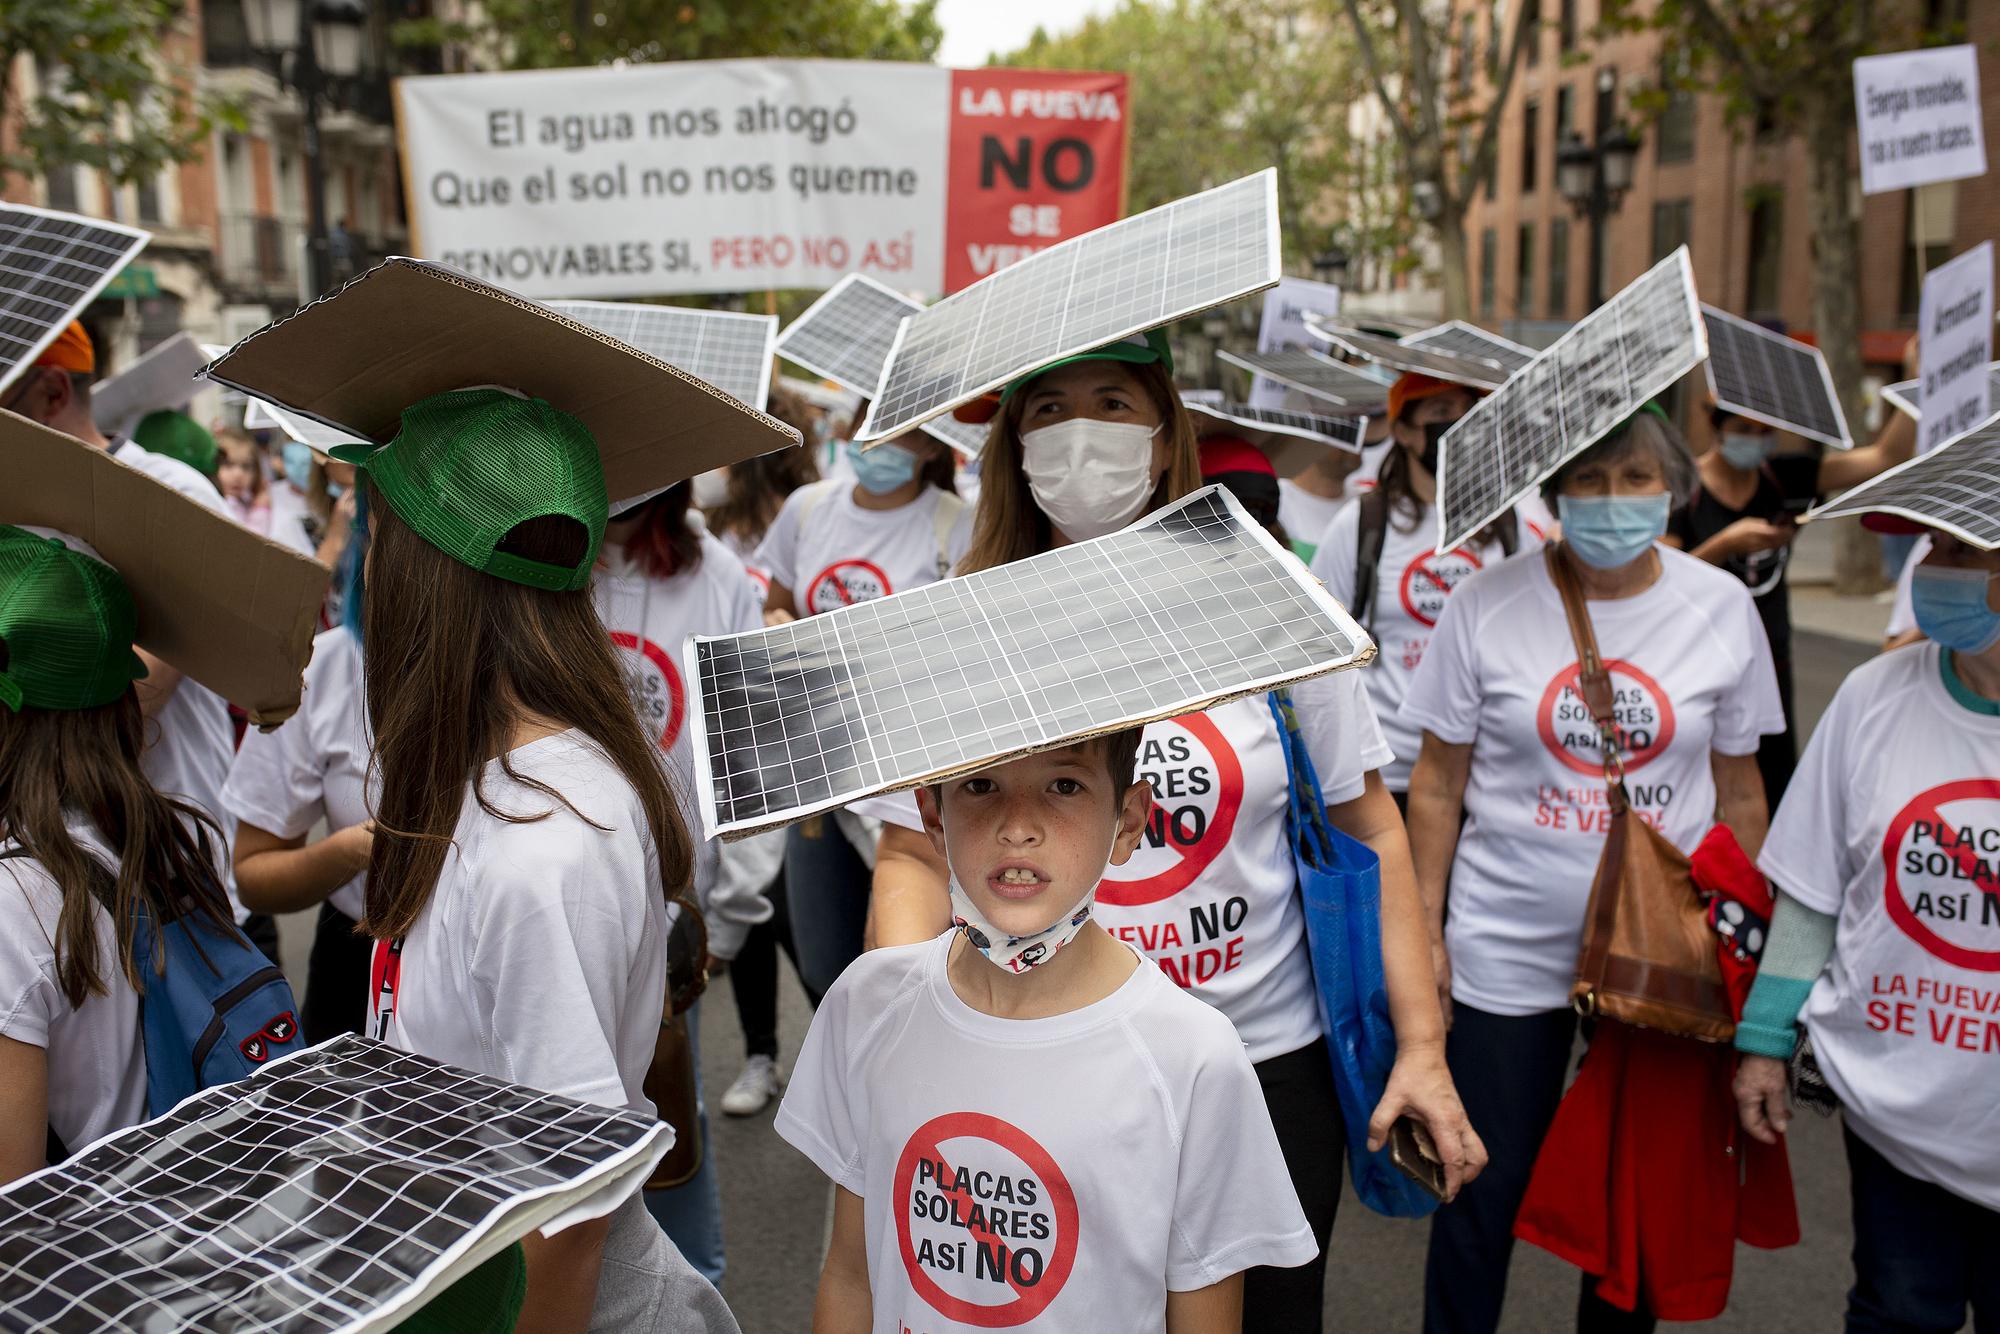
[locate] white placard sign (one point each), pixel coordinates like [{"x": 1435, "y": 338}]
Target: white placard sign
[
  {"x": 1284, "y": 328},
  {"x": 1955, "y": 332},
  {"x": 1919, "y": 118}
]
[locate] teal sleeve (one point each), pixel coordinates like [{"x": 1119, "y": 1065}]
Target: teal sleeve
[{"x": 1800, "y": 943}]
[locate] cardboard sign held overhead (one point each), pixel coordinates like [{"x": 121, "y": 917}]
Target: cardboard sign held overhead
[
  {"x": 234, "y": 610},
  {"x": 1283, "y": 328},
  {"x": 163, "y": 378},
  {"x": 1955, "y": 341},
  {"x": 1920, "y": 118},
  {"x": 406, "y": 329}
]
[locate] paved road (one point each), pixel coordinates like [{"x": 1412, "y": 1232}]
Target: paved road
[{"x": 774, "y": 1201}]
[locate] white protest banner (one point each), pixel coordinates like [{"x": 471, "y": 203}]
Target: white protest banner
[
  {"x": 735, "y": 175},
  {"x": 1919, "y": 118},
  {"x": 1955, "y": 341},
  {"x": 1284, "y": 328}
]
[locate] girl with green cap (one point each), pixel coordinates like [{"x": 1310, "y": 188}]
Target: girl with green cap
[
  {"x": 527, "y": 845},
  {"x": 88, "y": 843}
]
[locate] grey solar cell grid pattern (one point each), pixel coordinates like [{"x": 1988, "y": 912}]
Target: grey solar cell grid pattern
[
  {"x": 1773, "y": 379},
  {"x": 728, "y": 348},
  {"x": 1190, "y": 607},
  {"x": 1118, "y": 280},
  {"x": 333, "y": 1190},
  {"x": 52, "y": 265},
  {"x": 1478, "y": 370},
  {"x": 1341, "y": 432},
  {"x": 1469, "y": 340},
  {"x": 1604, "y": 369},
  {"x": 1907, "y": 396},
  {"x": 1955, "y": 486},
  {"x": 1311, "y": 373}
]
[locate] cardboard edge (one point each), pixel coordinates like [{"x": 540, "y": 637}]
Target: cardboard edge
[
  {"x": 1289, "y": 382},
  {"x": 1853, "y": 502}
]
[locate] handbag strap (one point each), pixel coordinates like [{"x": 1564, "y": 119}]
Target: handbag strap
[
  {"x": 1306, "y": 810},
  {"x": 1593, "y": 680}
]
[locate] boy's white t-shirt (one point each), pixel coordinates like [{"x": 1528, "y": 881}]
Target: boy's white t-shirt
[
  {"x": 1211, "y": 893},
  {"x": 845, "y": 554},
  {"x": 650, "y": 621},
  {"x": 314, "y": 765},
  {"x": 541, "y": 957},
  {"x": 1094, "y": 1160},
  {"x": 96, "y": 1054},
  {"x": 1692, "y": 670},
  {"x": 1892, "y": 824},
  {"x": 1411, "y": 585}
]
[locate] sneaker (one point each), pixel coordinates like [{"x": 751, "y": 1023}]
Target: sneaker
[{"x": 754, "y": 1088}]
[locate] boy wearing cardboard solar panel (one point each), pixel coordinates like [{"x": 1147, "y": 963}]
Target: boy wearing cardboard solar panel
[{"x": 1027, "y": 1121}]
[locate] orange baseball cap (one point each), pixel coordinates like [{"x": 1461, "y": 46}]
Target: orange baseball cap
[
  {"x": 72, "y": 351},
  {"x": 1413, "y": 385}
]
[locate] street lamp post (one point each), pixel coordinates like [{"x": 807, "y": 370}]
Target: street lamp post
[
  {"x": 1594, "y": 179},
  {"x": 312, "y": 46}
]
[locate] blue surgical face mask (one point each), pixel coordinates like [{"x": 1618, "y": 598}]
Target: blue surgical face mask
[
  {"x": 1950, "y": 607},
  {"x": 882, "y": 469},
  {"x": 1606, "y": 532},
  {"x": 297, "y": 461},
  {"x": 1744, "y": 451}
]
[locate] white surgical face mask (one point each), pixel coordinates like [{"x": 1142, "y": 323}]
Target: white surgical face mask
[
  {"x": 711, "y": 488},
  {"x": 1090, "y": 477}
]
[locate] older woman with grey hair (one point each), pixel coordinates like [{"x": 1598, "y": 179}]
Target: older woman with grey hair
[{"x": 1508, "y": 813}]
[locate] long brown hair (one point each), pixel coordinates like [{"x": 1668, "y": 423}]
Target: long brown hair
[
  {"x": 453, "y": 658},
  {"x": 55, "y": 762},
  {"x": 758, "y": 487},
  {"x": 1007, "y": 524}
]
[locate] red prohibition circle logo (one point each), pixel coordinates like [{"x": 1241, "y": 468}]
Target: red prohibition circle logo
[
  {"x": 986, "y": 1219},
  {"x": 1429, "y": 579},
  {"x": 1644, "y": 714},
  {"x": 655, "y": 685},
  {"x": 1948, "y": 857},
  {"x": 1194, "y": 811},
  {"x": 844, "y": 583}
]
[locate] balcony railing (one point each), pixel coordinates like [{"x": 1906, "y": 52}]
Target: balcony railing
[{"x": 260, "y": 251}]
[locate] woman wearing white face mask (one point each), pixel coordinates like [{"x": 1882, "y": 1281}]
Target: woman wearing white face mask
[
  {"x": 896, "y": 526},
  {"x": 1739, "y": 518},
  {"x": 1885, "y": 841},
  {"x": 1508, "y": 809},
  {"x": 1079, "y": 449}
]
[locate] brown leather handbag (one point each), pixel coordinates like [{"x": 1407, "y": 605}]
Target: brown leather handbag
[
  {"x": 670, "y": 1079},
  {"x": 1648, "y": 955}
]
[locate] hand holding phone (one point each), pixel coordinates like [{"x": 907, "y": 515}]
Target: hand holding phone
[{"x": 1411, "y": 1150}]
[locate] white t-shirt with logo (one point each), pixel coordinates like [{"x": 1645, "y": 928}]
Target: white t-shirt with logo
[
  {"x": 746, "y": 551},
  {"x": 1211, "y": 894},
  {"x": 541, "y": 957},
  {"x": 1304, "y": 516},
  {"x": 1692, "y": 672},
  {"x": 1363, "y": 477},
  {"x": 650, "y": 621},
  {"x": 1411, "y": 585},
  {"x": 1058, "y": 1174},
  {"x": 96, "y": 1054},
  {"x": 313, "y": 766},
  {"x": 1892, "y": 824},
  {"x": 845, "y": 554}
]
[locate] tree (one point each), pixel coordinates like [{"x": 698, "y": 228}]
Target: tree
[
  {"x": 546, "y": 33},
  {"x": 1788, "y": 65},
  {"x": 1447, "y": 147},
  {"x": 1219, "y": 89},
  {"x": 100, "y": 98}
]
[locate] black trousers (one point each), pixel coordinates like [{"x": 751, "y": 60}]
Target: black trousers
[
  {"x": 1921, "y": 1254},
  {"x": 1510, "y": 1071},
  {"x": 1305, "y": 1111},
  {"x": 336, "y": 999},
  {"x": 753, "y": 974}
]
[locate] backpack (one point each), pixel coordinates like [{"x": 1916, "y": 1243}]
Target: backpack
[
  {"x": 217, "y": 1012},
  {"x": 1369, "y": 535},
  {"x": 950, "y": 505}
]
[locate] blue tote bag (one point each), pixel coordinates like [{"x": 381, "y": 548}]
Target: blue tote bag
[{"x": 1340, "y": 883}]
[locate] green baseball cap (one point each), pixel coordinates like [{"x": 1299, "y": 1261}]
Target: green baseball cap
[
  {"x": 67, "y": 623},
  {"x": 469, "y": 465},
  {"x": 178, "y": 436},
  {"x": 1140, "y": 349}
]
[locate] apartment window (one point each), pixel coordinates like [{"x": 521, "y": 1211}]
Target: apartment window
[
  {"x": 1524, "y": 271},
  {"x": 1673, "y": 134},
  {"x": 1531, "y": 14},
  {"x": 62, "y": 188},
  {"x": 1566, "y": 25},
  {"x": 1673, "y": 220},
  {"x": 1565, "y": 113},
  {"x": 148, "y": 192},
  {"x": 1558, "y": 269},
  {"x": 1496, "y": 37},
  {"x": 1531, "y": 131},
  {"x": 1487, "y": 260},
  {"x": 1767, "y": 228},
  {"x": 1468, "y": 43}
]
